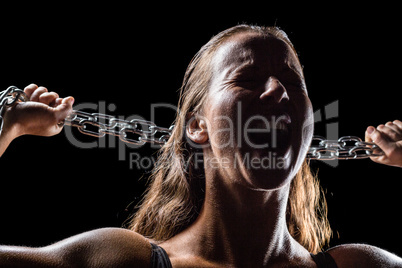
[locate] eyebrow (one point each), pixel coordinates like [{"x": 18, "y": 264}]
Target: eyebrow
[
  {"x": 294, "y": 70},
  {"x": 287, "y": 68},
  {"x": 246, "y": 65},
  {"x": 293, "y": 67}
]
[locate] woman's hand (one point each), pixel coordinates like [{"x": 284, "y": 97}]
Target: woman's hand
[
  {"x": 42, "y": 115},
  {"x": 389, "y": 138}
]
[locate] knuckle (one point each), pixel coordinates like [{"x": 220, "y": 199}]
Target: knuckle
[
  {"x": 30, "y": 88},
  {"x": 48, "y": 96},
  {"x": 54, "y": 94},
  {"x": 43, "y": 96},
  {"x": 42, "y": 88}
]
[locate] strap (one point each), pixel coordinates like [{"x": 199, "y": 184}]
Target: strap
[
  {"x": 324, "y": 260},
  {"x": 159, "y": 257}
]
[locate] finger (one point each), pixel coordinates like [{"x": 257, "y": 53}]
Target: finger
[
  {"x": 367, "y": 134},
  {"x": 390, "y": 133},
  {"x": 381, "y": 140},
  {"x": 30, "y": 89},
  {"x": 39, "y": 91},
  {"x": 398, "y": 123},
  {"x": 393, "y": 127},
  {"x": 57, "y": 102},
  {"x": 64, "y": 108},
  {"x": 379, "y": 159},
  {"x": 48, "y": 98}
]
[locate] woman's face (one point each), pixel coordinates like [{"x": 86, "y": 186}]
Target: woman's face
[{"x": 258, "y": 115}]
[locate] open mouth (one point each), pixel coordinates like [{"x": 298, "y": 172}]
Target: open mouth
[{"x": 272, "y": 135}]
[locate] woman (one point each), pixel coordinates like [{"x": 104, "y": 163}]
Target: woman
[{"x": 231, "y": 187}]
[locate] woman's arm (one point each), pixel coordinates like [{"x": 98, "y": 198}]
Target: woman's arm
[
  {"x": 389, "y": 138},
  {"x": 108, "y": 247},
  {"x": 40, "y": 116}
]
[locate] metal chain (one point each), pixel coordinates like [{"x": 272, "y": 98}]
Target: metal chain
[
  {"x": 10, "y": 97},
  {"x": 139, "y": 132},
  {"x": 98, "y": 125},
  {"x": 347, "y": 147}
]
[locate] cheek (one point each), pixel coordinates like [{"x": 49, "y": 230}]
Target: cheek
[
  {"x": 221, "y": 111},
  {"x": 308, "y": 122},
  {"x": 303, "y": 109},
  {"x": 307, "y": 132},
  {"x": 305, "y": 122}
]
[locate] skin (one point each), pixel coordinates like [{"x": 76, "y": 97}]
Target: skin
[
  {"x": 266, "y": 85},
  {"x": 40, "y": 116},
  {"x": 242, "y": 223},
  {"x": 107, "y": 247},
  {"x": 389, "y": 138}
]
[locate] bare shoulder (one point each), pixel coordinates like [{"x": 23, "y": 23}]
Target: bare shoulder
[
  {"x": 106, "y": 247},
  {"x": 361, "y": 255}
]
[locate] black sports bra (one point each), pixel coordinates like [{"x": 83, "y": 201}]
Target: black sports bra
[
  {"x": 160, "y": 259},
  {"x": 324, "y": 260}
]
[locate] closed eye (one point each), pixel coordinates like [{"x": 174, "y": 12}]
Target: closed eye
[
  {"x": 244, "y": 82},
  {"x": 295, "y": 85},
  {"x": 292, "y": 80}
]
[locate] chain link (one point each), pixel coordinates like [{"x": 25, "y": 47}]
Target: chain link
[
  {"x": 8, "y": 98},
  {"x": 139, "y": 132},
  {"x": 135, "y": 131},
  {"x": 347, "y": 147}
]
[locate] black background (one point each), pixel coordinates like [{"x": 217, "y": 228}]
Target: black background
[{"x": 133, "y": 56}]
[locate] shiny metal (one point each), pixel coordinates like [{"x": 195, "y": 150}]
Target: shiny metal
[
  {"x": 8, "y": 98},
  {"x": 143, "y": 131},
  {"x": 347, "y": 147}
]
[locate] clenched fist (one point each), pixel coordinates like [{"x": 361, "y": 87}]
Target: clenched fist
[{"x": 389, "y": 138}]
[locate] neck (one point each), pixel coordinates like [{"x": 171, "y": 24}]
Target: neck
[{"x": 240, "y": 227}]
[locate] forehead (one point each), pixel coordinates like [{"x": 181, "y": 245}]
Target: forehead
[{"x": 254, "y": 49}]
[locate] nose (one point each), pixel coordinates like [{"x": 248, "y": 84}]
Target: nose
[{"x": 274, "y": 90}]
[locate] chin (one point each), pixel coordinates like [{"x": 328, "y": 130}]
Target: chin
[
  {"x": 269, "y": 173},
  {"x": 273, "y": 181}
]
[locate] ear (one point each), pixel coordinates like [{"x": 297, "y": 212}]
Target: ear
[{"x": 196, "y": 130}]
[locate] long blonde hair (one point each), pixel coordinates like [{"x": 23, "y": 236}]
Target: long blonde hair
[{"x": 176, "y": 192}]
